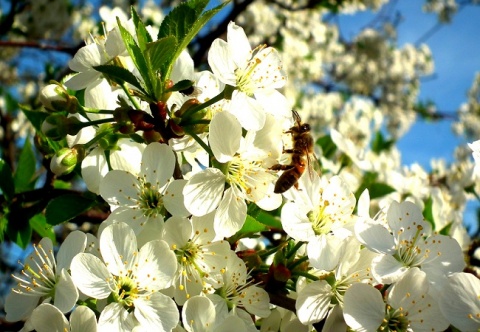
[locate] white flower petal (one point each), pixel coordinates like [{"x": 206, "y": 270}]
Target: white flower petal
[
  {"x": 363, "y": 308},
  {"x": 198, "y": 314},
  {"x": 99, "y": 95},
  {"x": 203, "y": 191},
  {"x": 183, "y": 68},
  {"x": 405, "y": 219},
  {"x": 445, "y": 257},
  {"x": 83, "y": 319},
  {"x": 459, "y": 301},
  {"x": 230, "y": 215},
  {"x": 114, "y": 318},
  {"x": 221, "y": 62},
  {"x": 225, "y": 135},
  {"x": 256, "y": 301},
  {"x": 81, "y": 80},
  {"x": 90, "y": 275},
  {"x": 75, "y": 243},
  {"x": 240, "y": 48},
  {"x": 177, "y": 231},
  {"x": 66, "y": 293},
  {"x": 119, "y": 188},
  {"x": 325, "y": 251},
  {"x": 173, "y": 199},
  {"x": 157, "y": 267},
  {"x": 128, "y": 157},
  {"x": 274, "y": 102},
  {"x": 313, "y": 302},
  {"x": 118, "y": 246},
  {"x": 134, "y": 218},
  {"x": 158, "y": 313},
  {"x": 247, "y": 110},
  {"x": 387, "y": 270},
  {"x": 19, "y": 306},
  {"x": 87, "y": 57},
  {"x": 295, "y": 222},
  {"x": 47, "y": 318},
  {"x": 411, "y": 294},
  {"x": 375, "y": 237},
  {"x": 94, "y": 167},
  {"x": 269, "y": 73},
  {"x": 158, "y": 163}
]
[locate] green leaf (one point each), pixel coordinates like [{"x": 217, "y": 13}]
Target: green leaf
[
  {"x": 11, "y": 104},
  {"x": 379, "y": 189},
  {"x": 143, "y": 36},
  {"x": 446, "y": 230},
  {"x": 120, "y": 75},
  {"x": 3, "y": 227},
  {"x": 36, "y": 118},
  {"x": 380, "y": 144},
  {"x": 160, "y": 53},
  {"x": 327, "y": 145},
  {"x": 428, "y": 212},
  {"x": 6, "y": 181},
  {"x": 375, "y": 188},
  {"x": 184, "y": 22},
  {"x": 137, "y": 57},
  {"x": 249, "y": 228},
  {"x": 251, "y": 225},
  {"x": 269, "y": 220},
  {"x": 21, "y": 237},
  {"x": 25, "y": 171},
  {"x": 19, "y": 232},
  {"x": 39, "y": 224},
  {"x": 66, "y": 207}
]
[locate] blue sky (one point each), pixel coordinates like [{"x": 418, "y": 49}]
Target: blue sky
[{"x": 456, "y": 53}]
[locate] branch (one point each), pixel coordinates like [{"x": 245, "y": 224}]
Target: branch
[
  {"x": 42, "y": 46},
  {"x": 311, "y": 4}
]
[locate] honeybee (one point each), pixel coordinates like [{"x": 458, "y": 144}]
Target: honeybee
[{"x": 302, "y": 153}]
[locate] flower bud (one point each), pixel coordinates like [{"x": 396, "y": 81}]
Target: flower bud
[
  {"x": 53, "y": 127},
  {"x": 57, "y": 126},
  {"x": 66, "y": 159},
  {"x": 55, "y": 98}
]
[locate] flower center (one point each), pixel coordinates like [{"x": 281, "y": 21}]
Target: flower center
[
  {"x": 320, "y": 220},
  {"x": 38, "y": 278},
  {"x": 409, "y": 253},
  {"x": 245, "y": 81},
  {"x": 236, "y": 174},
  {"x": 395, "y": 320},
  {"x": 150, "y": 200},
  {"x": 126, "y": 292}
]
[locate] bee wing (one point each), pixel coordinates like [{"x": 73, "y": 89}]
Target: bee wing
[{"x": 314, "y": 165}]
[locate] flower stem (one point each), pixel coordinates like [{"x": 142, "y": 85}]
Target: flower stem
[
  {"x": 225, "y": 94},
  {"x": 130, "y": 97},
  {"x": 292, "y": 252},
  {"x": 306, "y": 275},
  {"x": 201, "y": 143},
  {"x": 97, "y": 111},
  {"x": 298, "y": 262}
]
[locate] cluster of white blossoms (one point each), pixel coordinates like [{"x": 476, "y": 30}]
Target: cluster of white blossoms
[
  {"x": 318, "y": 58},
  {"x": 169, "y": 256}
]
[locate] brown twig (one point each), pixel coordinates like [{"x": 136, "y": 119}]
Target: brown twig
[{"x": 42, "y": 46}]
